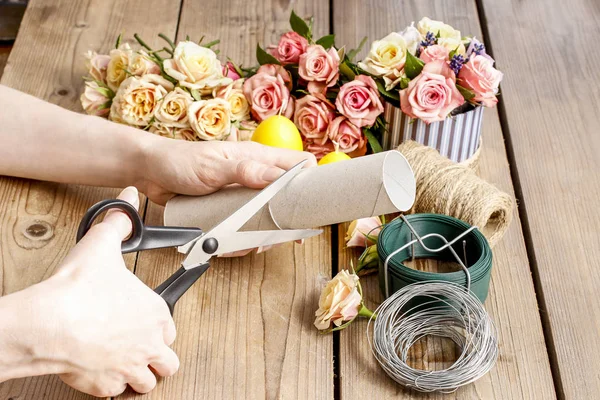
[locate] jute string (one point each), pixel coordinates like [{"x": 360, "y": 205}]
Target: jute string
[{"x": 445, "y": 187}]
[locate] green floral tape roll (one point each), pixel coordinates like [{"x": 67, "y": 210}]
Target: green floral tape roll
[{"x": 397, "y": 234}]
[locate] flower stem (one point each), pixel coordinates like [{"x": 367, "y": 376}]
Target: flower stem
[{"x": 365, "y": 312}]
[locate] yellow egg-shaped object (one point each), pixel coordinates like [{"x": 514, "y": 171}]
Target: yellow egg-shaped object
[
  {"x": 334, "y": 156},
  {"x": 278, "y": 131}
]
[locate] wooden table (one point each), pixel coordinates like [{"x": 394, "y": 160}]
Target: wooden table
[{"x": 245, "y": 329}]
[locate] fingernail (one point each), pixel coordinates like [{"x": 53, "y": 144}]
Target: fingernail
[
  {"x": 271, "y": 174},
  {"x": 131, "y": 195}
]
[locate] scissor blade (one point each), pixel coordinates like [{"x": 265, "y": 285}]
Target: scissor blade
[{"x": 250, "y": 240}]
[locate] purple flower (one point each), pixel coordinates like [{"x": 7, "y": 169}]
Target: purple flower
[
  {"x": 456, "y": 63},
  {"x": 477, "y": 48},
  {"x": 430, "y": 40}
]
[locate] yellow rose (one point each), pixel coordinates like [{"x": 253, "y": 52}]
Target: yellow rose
[
  {"x": 173, "y": 110},
  {"x": 116, "y": 71},
  {"x": 449, "y": 37},
  {"x": 137, "y": 99},
  {"x": 233, "y": 93},
  {"x": 386, "y": 58},
  {"x": 210, "y": 119},
  {"x": 195, "y": 67}
]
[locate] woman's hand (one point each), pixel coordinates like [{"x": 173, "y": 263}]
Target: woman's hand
[
  {"x": 198, "y": 168},
  {"x": 93, "y": 323}
]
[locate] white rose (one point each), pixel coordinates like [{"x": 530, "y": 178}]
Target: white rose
[
  {"x": 140, "y": 64},
  {"x": 137, "y": 100},
  {"x": 386, "y": 58},
  {"x": 449, "y": 37},
  {"x": 116, "y": 71},
  {"x": 173, "y": 109},
  {"x": 195, "y": 67},
  {"x": 233, "y": 93},
  {"x": 210, "y": 119},
  {"x": 413, "y": 38}
]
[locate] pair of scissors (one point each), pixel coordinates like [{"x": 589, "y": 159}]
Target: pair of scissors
[{"x": 198, "y": 245}]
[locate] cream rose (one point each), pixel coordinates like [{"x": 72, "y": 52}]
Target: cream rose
[
  {"x": 386, "y": 59},
  {"x": 450, "y": 38},
  {"x": 97, "y": 65},
  {"x": 210, "y": 119},
  {"x": 137, "y": 99},
  {"x": 195, "y": 67},
  {"x": 234, "y": 94},
  {"x": 116, "y": 71},
  {"x": 340, "y": 301},
  {"x": 140, "y": 64},
  {"x": 173, "y": 109}
]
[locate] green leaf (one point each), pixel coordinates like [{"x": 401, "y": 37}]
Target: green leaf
[
  {"x": 299, "y": 25},
  {"x": 352, "y": 53},
  {"x": 373, "y": 142},
  {"x": 466, "y": 93},
  {"x": 413, "y": 66},
  {"x": 327, "y": 41},
  {"x": 211, "y": 44},
  {"x": 394, "y": 96},
  {"x": 118, "y": 43},
  {"x": 265, "y": 58},
  {"x": 404, "y": 83},
  {"x": 195, "y": 94},
  {"x": 347, "y": 71}
]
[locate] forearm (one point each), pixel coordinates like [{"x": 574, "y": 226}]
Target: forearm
[
  {"x": 26, "y": 336},
  {"x": 42, "y": 141}
]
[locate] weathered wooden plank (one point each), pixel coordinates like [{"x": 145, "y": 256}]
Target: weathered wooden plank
[
  {"x": 38, "y": 220},
  {"x": 523, "y": 369},
  {"x": 245, "y": 328},
  {"x": 551, "y": 105}
]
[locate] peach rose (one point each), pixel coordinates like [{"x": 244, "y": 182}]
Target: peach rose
[
  {"x": 137, "y": 99},
  {"x": 319, "y": 67},
  {"x": 233, "y": 93},
  {"x": 359, "y": 101},
  {"x": 165, "y": 130},
  {"x": 140, "y": 64},
  {"x": 268, "y": 95},
  {"x": 358, "y": 230},
  {"x": 210, "y": 119},
  {"x": 312, "y": 117},
  {"x": 173, "y": 110},
  {"x": 319, "y": 150},
  {"x": 95, "y": 99},
  {"x": 435, "y": 52},
  {"x": 432, "y": 95},
  {"x": 97, "y": 65},
  {"x": 479, "y": 75},
  {"x": 116, "y": 70},
  {"x": 340, "y": 301},
  {"x": 230, "y": 72},
  {"x": 195, "y": 67},
  {"x": 291, "y": 46},
  {"x": 348, "y": 136}
]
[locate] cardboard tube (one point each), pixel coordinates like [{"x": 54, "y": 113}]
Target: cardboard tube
[{"x": 378, "y": 184}]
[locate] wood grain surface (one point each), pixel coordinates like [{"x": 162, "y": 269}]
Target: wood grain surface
[
  {"x": 551, "y": 114},
  {"x": 523, "y": 370}
]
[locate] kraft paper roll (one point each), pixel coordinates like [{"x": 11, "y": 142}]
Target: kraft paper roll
[{"x": 377, "y": 184}]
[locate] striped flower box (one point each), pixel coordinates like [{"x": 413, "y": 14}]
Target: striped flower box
[{"x": 456, "y": 137}]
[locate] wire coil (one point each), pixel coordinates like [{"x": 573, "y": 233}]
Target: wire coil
[{"x": 449, "y": 311}]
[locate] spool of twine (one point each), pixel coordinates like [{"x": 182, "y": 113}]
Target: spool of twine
[{"x": 445, "y": 187}]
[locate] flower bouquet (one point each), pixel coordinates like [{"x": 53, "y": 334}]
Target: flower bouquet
[
  {"x": 180, "y": 91},
  {"x": 426, "y": 74},
  {"x": 313, "y": 83}
]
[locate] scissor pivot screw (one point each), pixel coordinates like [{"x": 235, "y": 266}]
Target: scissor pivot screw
[{"x": 210, "y": 245}]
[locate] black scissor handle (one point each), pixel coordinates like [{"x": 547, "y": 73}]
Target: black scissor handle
[{"x": 150, "y": 237}]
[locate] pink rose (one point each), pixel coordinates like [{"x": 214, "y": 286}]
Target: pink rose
[
  {"x": 94, "y": 99},
  {"x": 359, "y": 101},
  {"x": 347, "y": 135},
  {"x": 276, "y": 70},
  {"x": 358, "y": 230},
  {"x": 319, "y": 67},
  {"x": 479, "y": 75},
  {"x": 268, "y": 95},
  {"x": 230, "y": 72},
  {"x": 319, "y": 150},
  {"x": 97, "y": 65},
  {"x": 291, "y": 46},
  {"x": 435, "y": 52},
  {"x": 312, "y": 117},
  {"x": 432, "y": 95}
]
